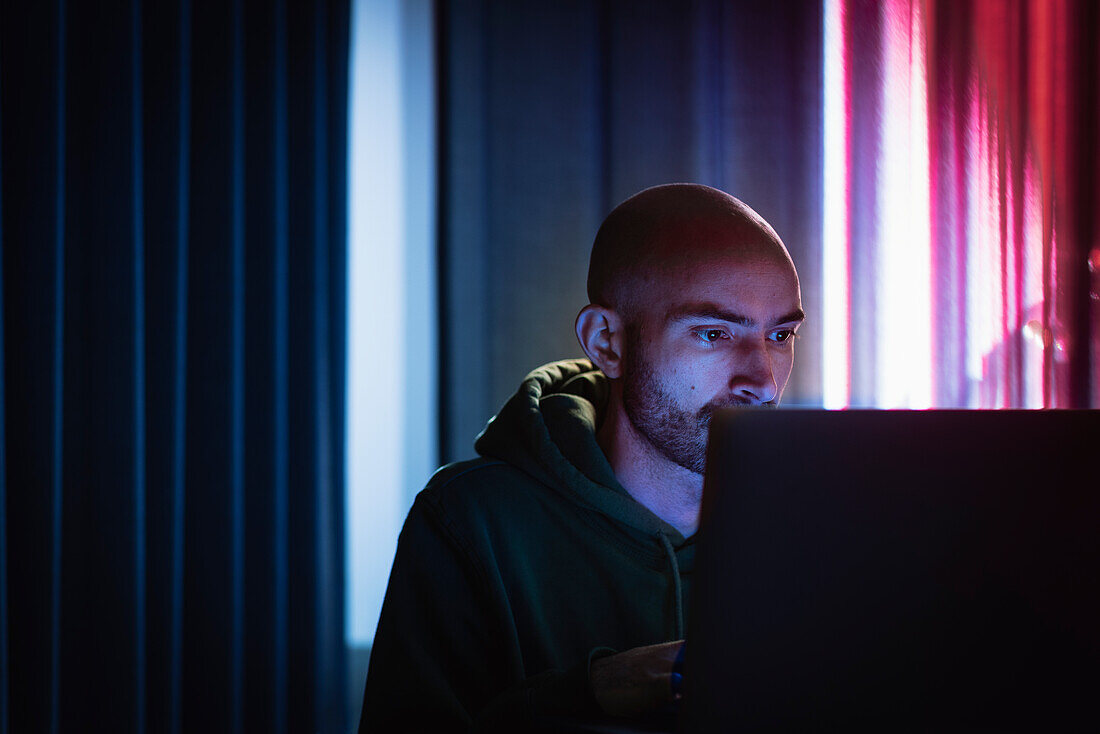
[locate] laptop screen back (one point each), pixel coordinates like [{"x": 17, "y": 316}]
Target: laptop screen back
[{"x": 905, "y": 569}]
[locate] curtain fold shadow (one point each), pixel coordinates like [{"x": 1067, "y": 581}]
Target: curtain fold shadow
[{"x": 173, "y": 226}]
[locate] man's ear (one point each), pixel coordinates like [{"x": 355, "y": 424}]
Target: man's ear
[{"x": 601, "y": 334}]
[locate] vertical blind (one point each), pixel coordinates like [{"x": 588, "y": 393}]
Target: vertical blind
[{"x": 172, "y": 227}]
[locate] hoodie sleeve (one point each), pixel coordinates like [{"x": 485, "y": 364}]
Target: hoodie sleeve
[{"x": 440, "y": 659}]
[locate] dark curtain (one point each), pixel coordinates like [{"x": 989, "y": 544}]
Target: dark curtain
[
  {"x": 172, "y": 227},
  {"x": 552, "y": 113}
]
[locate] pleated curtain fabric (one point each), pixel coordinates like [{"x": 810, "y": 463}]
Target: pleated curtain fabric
[
  {"x": 1008, "y": 127},
  {"x": 172, "y": 225},
  {"x": 553, "y": 113}
]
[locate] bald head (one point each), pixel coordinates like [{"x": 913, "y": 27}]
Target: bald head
[
  {"x": 665, "y": 228},
  {"x": 694, "y": 307}
]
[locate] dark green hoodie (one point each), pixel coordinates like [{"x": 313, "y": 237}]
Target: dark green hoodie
[{"x": 514, "y": 570}]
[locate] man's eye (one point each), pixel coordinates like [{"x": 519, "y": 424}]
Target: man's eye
[
  {"x": 783, "y": 335},
  {"x": 710, "y": 335}
]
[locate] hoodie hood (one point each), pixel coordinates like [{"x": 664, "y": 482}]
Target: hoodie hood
[{"x": 548, "y": 430}]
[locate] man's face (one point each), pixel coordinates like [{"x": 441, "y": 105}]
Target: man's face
[{"x": 714, "y": 332}]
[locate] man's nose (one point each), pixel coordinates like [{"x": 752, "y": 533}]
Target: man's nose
[{"x": 752, "y": 375}]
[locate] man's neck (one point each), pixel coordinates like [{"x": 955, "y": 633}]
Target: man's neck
[{"x": 665, "y": 488}]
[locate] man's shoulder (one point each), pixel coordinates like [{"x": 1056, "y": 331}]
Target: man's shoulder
[
  {"x": 476, "y": 479},
  {"x": 489, "y": 510},
  {"x": 480, "y": 489}
]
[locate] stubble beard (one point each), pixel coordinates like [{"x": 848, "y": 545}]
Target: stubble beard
[{"x": 679, "y": 435}]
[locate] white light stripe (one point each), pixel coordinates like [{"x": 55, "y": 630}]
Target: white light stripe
[
  {"x": 376, "y": 320},
  {"x": 835, "y": 318},
  {"x": 904, "y": 328},
  {"x": 391, "y": 376}
]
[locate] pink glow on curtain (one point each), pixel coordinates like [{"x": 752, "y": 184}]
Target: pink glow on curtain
[
  {"x": 960, "y": 254},
  {"x": 836, "y": 162}
]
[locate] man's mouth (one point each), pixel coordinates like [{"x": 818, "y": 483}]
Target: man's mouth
[{"x": 733, "y": 402}]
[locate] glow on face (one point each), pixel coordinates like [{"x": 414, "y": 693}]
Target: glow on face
[{"x": 723, "y": 336}]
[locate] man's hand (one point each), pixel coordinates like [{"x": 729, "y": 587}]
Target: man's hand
[{"x": 636, "y": 681}]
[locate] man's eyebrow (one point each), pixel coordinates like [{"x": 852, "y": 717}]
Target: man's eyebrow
[
  {"x": 708, "y": 311},
  {"x": 796, "y": 315},
  {"x": 712, "y": 311}
]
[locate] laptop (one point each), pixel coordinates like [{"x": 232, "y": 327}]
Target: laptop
[{"x": 897, "y": 570}]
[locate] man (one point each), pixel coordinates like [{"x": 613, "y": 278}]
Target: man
[{"x": 549, "y": 577}]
